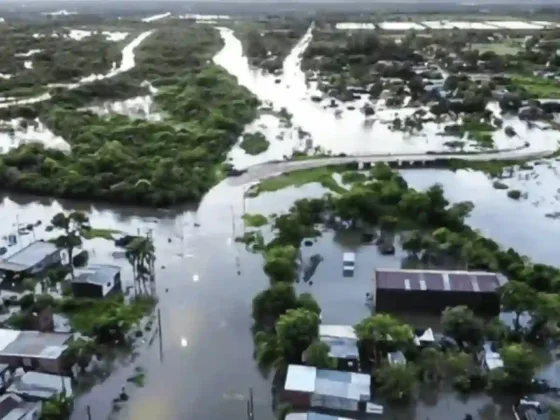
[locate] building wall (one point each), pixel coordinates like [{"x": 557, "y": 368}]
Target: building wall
[
  {"x": 434, "y": 301},
  {"x": 299, "y": 400},
  {"x": 33, "y": 363},
  {"x": 87, "y": 290}
]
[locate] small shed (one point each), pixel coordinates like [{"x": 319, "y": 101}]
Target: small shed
[
  {"x": 97, "y": 281},
  {"x": 32, "y": 259},
  {"x": 36, "y": 386},
  {"x": 343, "y": 344}
]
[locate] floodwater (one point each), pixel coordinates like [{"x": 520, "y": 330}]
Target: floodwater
[{"x": 206, "y": 281}]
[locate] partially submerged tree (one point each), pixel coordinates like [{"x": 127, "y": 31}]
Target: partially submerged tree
[
  {"x": 397, "y": 382},
  {"x": 461, "y": 323},
  {"x": 72, "y": 226},
  {"x": 317, "y": 355},
  {"x": 519, "y": 298},
  {"x": 140, "y": 253}
]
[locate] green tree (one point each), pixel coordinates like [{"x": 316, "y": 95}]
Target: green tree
[
  {"x": 397, "y": 382},
  {"x": 317, "y": 355},
  {"x": 72, "y": 226},
  {"x": 431, "y": 364},
  {"x": 519, "y": 298},
  {"x": 307, "y": 301},
  {"x": 520, "y": 364},
  {"x": 280, "y": 263},
  {"x": 546, "y": 316},
  {"x": 381, "y": 333},
  {"x": 273, "y": 302},
  {"x": 140, "y": 253},
  {"x": 56, "y": 408},
  {"x": 295, "y": 331},
  {"x": 461, "y": 323}
]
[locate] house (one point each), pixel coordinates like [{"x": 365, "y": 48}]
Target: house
[
  {"x": 13, "y": 407},
  {"x": 434, "y": 290},
  {"x": 33, "y": 349},
  {"x": 328, "y": 391},
  {"x": 343, "y": 345},
  {"x": 312, "y": 416},
  {"x": 348, "y": 263},
  {"x": 32, "y": 259},
  {"x": 489, "y": 359},
  {"x": 97, "y": 281},
  {"x": 396, "y": 358},
  {"x": 35, "y": 386},
  {"x": 424, "y": 337}
]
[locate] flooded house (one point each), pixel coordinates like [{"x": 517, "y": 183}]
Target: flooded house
[
  {"x": 30, "y": 260},
  {"x": 328, "y": 391},
  {"x": 431, "y": 291},
  {"x": 343, "y": 345},
  {"x": 13, "y": 407},
  {"x": 33, "y": 349},
  {"x": 35, "y": 386},
  {"x": 97, "y": 281}
]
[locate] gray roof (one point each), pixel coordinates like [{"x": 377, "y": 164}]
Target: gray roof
[
  {"x": 438, "y": 280},
  {"x": 41, "y": 385},
  {"x": 32, "y": 344},
  {"x": 28, "y": 256},
  {"x": 341, "y": 339},
  {"x": 329, "y": 383},
  {"x": 99, "y": 274},
  {"x": 13, "y": 407}
]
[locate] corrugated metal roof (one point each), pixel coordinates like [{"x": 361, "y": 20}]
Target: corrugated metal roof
[
  {"x": 41, "y": 385},
  {"x": 99, "y": 274},
  {"x": 438, "y": 280},
  {"x": 28, "y": 256},
  {"x": 33, "y": 343},
  {"x": 341, "y": 339},
  {"x": 13, "y": 407},
  {"x": 313, "y": 416},
  {"x": 301, "y": 378},
  {"x": 329, "y": 383}
]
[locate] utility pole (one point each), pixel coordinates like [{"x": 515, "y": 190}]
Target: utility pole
[
  {"x": 89, "y": 412},
  {"x": 160, "y": 336},
  {"x": 250, "y": 406}
]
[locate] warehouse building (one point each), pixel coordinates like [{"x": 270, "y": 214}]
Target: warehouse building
[{"x": 432, "y": 291}]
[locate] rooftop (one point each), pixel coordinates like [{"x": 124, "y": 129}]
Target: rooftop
[
  {"x": 341, "y": 339},
  {"x": 99, "y": 274},
  {"x": 328, "y": 383},
  {"x": 438, "y": 280},
  {"x": 41, "y": 385},
  {"x": 13, "y": 407},
  {"x": 32, "y": 343},
  {"x": 313, "y": 416},
  {"x": 28, "y": 256},
  {"x": 492, "y": 359}
]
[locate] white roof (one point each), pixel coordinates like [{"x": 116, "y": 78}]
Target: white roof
[
  {"x": 301, "y": 378},
  {"x": 513, "y": 24},
  {"x": 400, "y": 26},
  {"x": 7, "y": 337},
  {"x": 342, "y": 331},
  {"x": 428, "y": 335},
  {"x": 41, "y": 385},
  {"x": 354, "y": 25},
  {"x": 349, "y": 257},
  {"x": 492, "y": 359}
]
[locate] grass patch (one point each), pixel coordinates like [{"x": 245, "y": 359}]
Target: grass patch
[
  {"x": 254, "y": 143},
  {"x": 88, "y": 314},
  {"x": 500, "y": 48},
  {"x": 538, "y": 87},
  {"x": 139, "y": 378},
  {"x": 254, "y": 220},
  {"x": 99, "y": 233},
  {"x": 322, "y": 175}
]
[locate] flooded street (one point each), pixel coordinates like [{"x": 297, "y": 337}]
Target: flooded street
[{"x": 205, "y": 367}]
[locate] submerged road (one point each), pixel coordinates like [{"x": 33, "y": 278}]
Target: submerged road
[{"x": 271, "y": 169}]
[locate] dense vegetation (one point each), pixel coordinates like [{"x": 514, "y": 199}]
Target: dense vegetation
[
  {"x": 434, "y": 234},
  {"x": 57, "y": 58},
  {"x": 149, "y": 163},
  {"x": 267, "y": 44}
]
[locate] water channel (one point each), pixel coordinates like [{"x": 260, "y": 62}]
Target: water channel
[{"x": 205, "y": 369}]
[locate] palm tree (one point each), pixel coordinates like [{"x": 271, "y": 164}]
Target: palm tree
[
  {"x": 57, "y": 407},
  {"x": 140, "y": 253}
]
